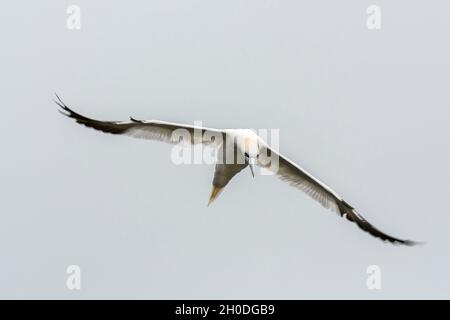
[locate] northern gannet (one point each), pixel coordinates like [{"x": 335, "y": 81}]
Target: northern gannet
[{"x": 248, "y": 149}]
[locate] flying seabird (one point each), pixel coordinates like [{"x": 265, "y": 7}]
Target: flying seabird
[{"x": 245, "y": 145}]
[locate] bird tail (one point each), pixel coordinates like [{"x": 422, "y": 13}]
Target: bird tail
[{"x": 214, "y": 194}]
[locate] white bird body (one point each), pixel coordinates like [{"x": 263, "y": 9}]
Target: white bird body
[
  {"x": 237, "y": 149},
  {"x": 247, "y": 140}
]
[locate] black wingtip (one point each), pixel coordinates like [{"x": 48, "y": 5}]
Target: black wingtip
[
  {"x": 59, "y": 102},
  {"x": 66, "y": 111},
  {"x": 411, "y": 243},
  {"x": 348, "y": 212},
  {"x": 105, "y": 126},
  {"x": 62, "y": 106},
  {"x": 58, "y": 97}
]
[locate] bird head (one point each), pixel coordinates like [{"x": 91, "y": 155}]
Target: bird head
[{"x": 250, "y": 149}]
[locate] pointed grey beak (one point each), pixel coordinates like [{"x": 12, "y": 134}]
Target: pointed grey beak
[{"x": 251, "y": 163}]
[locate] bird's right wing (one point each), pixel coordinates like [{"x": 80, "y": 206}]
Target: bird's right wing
[
  {"x": 149, "y": 129},
  {"x": 299, "y": 178}
]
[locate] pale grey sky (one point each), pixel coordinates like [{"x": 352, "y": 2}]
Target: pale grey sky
[{"x": 364, "y": 111}]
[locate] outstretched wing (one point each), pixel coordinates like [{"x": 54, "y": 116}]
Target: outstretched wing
[
  {"x": 148, "y": 129},
  {"x": 288, "y": 171}
]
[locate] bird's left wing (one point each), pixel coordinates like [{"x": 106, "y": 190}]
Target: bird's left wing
[
  {"x": 290, "y": 172},
  {"x": 148, "y": 129}
]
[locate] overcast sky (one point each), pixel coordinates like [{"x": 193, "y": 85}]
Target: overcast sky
[{"x": 366, "y": 111}]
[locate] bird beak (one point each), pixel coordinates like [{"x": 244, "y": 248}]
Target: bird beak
[
  {"x": 251, "y": 163},
  {"x": 251, "y": 169},
  {"x": 214, "y": 194}
]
